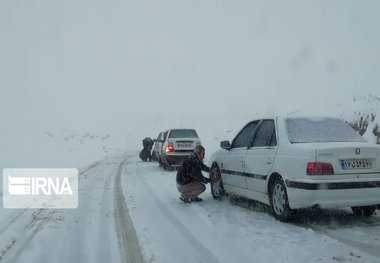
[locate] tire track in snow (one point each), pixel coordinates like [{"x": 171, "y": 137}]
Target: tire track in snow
[
  {"x": 85, "y": 170},
  {"x": 88, "y": 218},
  {"x": 206, "y": 254},
  {"x": 370, "y": 248},
  {"x": 81, "y": 217},
  {"x": 128, "y": 244},
  {"x": 10, "y": 220},
  {"x": 97, "y": 163},
  {"x": 104, "y": 255},
  {"x": 334, "y": 222},
  {"x": 15, "y": 247},
  {"x": 39, "y": 219}
]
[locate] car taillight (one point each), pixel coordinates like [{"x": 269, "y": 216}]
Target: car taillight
[
  {"x": 319, "y": 169},
  {"x": 169, "y": 148}
]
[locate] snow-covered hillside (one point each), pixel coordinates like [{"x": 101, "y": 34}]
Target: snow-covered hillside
[{"x": 366, "y": 117}]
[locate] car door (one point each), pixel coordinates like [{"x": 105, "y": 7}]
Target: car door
[
  {"x": 158, "y": 145},
  {"x": 162, "y": 141},
  {"x": 233, "y": 163},
  {"x": 161, "y": 146},
  {"x": 260, "y": 156}
]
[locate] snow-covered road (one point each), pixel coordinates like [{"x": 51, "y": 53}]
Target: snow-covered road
[
  {"x": 129, "y": 211},
  {"x": 91, "y": 233}
]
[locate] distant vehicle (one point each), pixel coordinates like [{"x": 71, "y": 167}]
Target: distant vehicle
[
  {"x": 158, "y": 147},
  {"x": 145, "y": 153},
  {"x": 178, "y": 145},
  {"x": 291, "y": 163}
]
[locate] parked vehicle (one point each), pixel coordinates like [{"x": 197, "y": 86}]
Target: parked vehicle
[
  {"x": 158, "y": 147},
  {"x": 178, "y": 145},
  {"x": 145, "y": 153},
  {"x": 291, "y": 163}
]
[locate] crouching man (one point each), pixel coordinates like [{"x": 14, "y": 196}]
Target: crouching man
[{"x": 190, "y": 180}]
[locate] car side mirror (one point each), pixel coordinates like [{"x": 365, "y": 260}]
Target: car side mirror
[{"x": 225, "y": 145}]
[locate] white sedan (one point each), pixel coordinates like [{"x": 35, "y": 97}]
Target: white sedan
[{"x": 299, "y": 162}]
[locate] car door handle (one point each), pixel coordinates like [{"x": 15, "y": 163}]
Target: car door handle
[{"x": 269, "y": 160}]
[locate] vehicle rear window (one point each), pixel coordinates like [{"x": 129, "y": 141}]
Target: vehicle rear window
[
  {"x": 304, "y": 130},
  {"x": 183, "y": 133}
]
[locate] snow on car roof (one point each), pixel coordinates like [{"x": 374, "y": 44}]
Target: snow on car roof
[{"x": 322, "y": 129}]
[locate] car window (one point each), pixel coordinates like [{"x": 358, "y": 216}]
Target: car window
[
  {"x": 183, "y": 133},
  {"x": 244, "y": 136},
  {"x": 265, "y": 135},
  {"x": 304, "y": 130}
]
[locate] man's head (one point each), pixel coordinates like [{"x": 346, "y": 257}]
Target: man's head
[{"x": 199, "y": 150}]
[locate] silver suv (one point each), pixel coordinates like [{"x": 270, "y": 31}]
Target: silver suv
[{"x": 178, "y": 145}]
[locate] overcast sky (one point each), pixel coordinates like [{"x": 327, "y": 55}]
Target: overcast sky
[{"x": 120, "y": 64}]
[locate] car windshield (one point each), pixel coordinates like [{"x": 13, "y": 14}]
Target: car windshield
[
  {"x": 304, "y": 130},
  {"x": 183, "y": 133}
]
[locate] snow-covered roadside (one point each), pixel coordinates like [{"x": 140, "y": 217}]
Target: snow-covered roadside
[
  {"x": 85, "y": 234},
  {"x": 211, "y": 231}
]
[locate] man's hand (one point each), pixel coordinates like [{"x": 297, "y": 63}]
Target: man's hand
[
  {"x": 214, "y": 170},
  {"x": 206, "y": 180}
]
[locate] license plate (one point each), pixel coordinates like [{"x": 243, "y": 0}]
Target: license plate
[
  {"x": 184, "y": 145},
  {"x": 355, "y": 164}
]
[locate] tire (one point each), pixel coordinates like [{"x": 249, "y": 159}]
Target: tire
[
  {"x": 154, "y": 157},
  {"x": 365, "y": 211},
  {"x": 216, "y": 183},
  {"x": 279, "y": 201}
]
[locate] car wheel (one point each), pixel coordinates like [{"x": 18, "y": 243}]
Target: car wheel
[
  {"x": 217, "y": 189},
  {"x": 279, "y": 201},
  {"x": 154, "y": 157},
  {"x": 366, "y": 211}
]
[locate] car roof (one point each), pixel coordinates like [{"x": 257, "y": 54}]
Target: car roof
[
  {"x": 182, "y": 129},
  {"x": 291, "y": 116}
]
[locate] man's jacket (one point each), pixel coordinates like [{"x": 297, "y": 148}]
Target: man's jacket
[{"x": 191, "y": 171}]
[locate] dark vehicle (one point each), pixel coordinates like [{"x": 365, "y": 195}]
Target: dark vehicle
[{"x": 145, "y": 153}]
